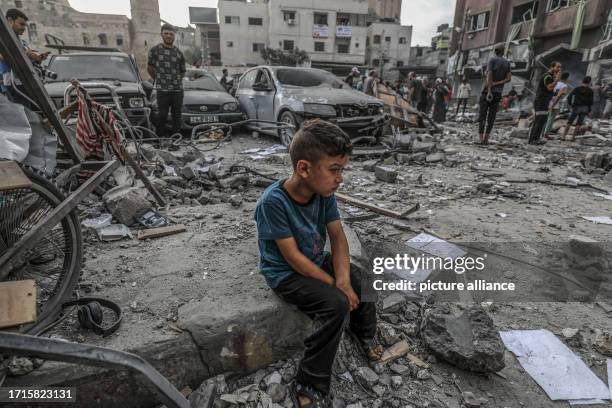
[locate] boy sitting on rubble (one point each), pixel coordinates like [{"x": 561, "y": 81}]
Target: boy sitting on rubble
[{"x": 293, "y": 218}]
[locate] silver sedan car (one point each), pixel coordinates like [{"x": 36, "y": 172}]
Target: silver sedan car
[{"x": 292, "y": 95}]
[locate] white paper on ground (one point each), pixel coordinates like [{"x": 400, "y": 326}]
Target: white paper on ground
[
  {"x": 560, "y": 372},
  {"x": 602, "y": 195},
  {"x": 599, "y": 220},
  {"x": 435, "y": 246},
  {"x": 586, "y": 402}
]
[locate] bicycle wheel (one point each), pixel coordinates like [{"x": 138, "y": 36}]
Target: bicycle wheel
[{"x": 55, "y": 261}]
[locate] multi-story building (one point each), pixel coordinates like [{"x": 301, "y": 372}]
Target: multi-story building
[
  {"x": 386, "y": 8},
  {"x": 535, "y": 34},
  {"x": 431, "y": 61},
  {"x": 388, "y": 47},
  {"x": 332, "y": 33},
  {"x": 207, "y": 36},
  {"x": 55, "y": 21}
]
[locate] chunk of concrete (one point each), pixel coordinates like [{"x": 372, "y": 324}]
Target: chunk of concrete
[
  {"x": 426, "y": 147},
  {"x": 519, "y": 133},
  {"x": 584, "y": 246},
  {"x": 386, "y": 174},
  {"x": 393, "y": 302},
  {"x": 244, "y": 332},
  {"x": 435, "y": 157},
  {"x": 366, "y": 376},
  {"x": 608, "y": 179},
  {"x": 126, "y": 204},
  {"x": 418, "y": 157},
  {"x": 467, "y": 339},
  {"x": 405, "y": 142}
]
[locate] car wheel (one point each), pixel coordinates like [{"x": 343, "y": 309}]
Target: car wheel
[{"x": 286, "y": 134}]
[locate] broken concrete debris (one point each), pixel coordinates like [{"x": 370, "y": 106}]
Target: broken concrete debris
[
  {"x": 126, "y": 204},
  {"x": 466, "y": 338}
]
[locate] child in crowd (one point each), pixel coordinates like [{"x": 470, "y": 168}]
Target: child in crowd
[{"x": 581, "y": 101}]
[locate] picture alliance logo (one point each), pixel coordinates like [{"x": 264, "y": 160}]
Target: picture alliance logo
[{"x": 425, "y": 262}]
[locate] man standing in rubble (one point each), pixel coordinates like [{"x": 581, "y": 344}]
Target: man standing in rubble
[
  {"x": 498, "y": 74},
  {"x": 166, "y": 66},
  {"x": 544, "y": 94}
]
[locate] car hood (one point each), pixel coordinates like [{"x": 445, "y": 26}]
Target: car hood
[
  {"x": 193, "y": 97},
  {"x": 56, "y": 89},
  {"x": 329, "y": 95}
]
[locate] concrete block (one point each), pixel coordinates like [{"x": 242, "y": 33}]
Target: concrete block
[
  {"x": 386, "y": 174},
  {"x": 418, "y": 157},
  {"x": 427, "y": 147},
  {"x": 435, "y": 157},
  {"x": 126, "y": 204}
]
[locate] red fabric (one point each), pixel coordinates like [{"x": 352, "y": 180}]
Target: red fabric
[{"x": 90, "y": 134}]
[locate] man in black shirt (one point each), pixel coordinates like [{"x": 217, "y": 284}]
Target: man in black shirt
[
  {"x": 166, "y": 66},
  {"x": 498, "y": 74},
  {"x": 544, "y": 94},
  {"x": 581, "y": 101}
]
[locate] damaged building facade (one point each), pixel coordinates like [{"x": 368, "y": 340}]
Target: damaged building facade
[
  {"x": 56, "y": 22},
  {"x": 535, "y": 33}
]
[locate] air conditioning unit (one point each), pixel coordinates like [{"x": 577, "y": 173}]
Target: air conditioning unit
[{"x": 291, "y": 22}]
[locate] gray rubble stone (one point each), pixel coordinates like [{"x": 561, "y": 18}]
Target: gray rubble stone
[
  {"x": 400, "y": 369},
  {"x": 584, "y": 246},
  {"x": 450, "y": 151},
  {"x": 235, "y": 200},
  {"x": 423, "y": 147},
  {"x": 467, "y": 339},
  {"x": 405, "y": 142},
  {"x": 388, "y": 335},
  {"x": 189, "y": 171},
  {"x": 337, "y": 402},
  {"x": 607, "y": 180},
  {"x": 396, "y": 381},
  {"x": 386, "y": 174},
  {"x": 403, "y": 157},
  {"x": 423, "y": 374},
  {"x": 366, "y": 376},
  {"x": 274, "y": 378},
  {"x": 277, "y": 392},
  {"x": 594, "y": 160},
  {"x": 418, "y": 157},
  {"x": 379, "y": 390},
  {"x": 519, "y": 133},
  {"x": 603, "y": 342},
  {"x": 393, "y": 302},
  {"x": 126, "y": 204},
  {"x": 471, "y": 401},
  {"x": 435, "y": 157}
]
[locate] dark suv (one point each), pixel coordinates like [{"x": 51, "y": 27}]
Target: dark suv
[{"x": 114, "y": 68}]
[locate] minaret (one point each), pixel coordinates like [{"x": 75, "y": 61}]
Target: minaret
[{"x": 145, "y": 28}]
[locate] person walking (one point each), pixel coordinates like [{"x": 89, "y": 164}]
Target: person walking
[
  {"x": 498, "y": 73},
  {"x": 166, "y": 66},
  {"x": 608, "y": 93},
  {"x": 465, "y": 89},
  {"x": 599, "y": 100},
  {"x": 415, "y": 87},
  {"x": 353, "y": 78},
  {"x": 370, "y": 83},
  {"x": 440, "y": 92},
  {"x": 544, "y": 94},
  {"x": 225, "y": 80},
  {"x": 561, "y": 90},
  {"x": 581, "y": 101}
]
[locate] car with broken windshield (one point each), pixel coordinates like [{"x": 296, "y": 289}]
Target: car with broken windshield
[
  {"x": 292, "y": 95},
  {"x": 116, "y": 69},
  {"x": 205, "y": 100}
]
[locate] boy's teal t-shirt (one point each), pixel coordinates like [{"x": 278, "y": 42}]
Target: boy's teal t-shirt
[{"x": 278, "y": 216}]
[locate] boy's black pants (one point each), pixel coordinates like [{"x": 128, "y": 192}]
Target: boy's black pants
[
  {"x": 329, "y": 308},
  {"x": 487, "y": 112}
]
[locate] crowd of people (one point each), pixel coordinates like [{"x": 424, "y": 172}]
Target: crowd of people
[{"x": 553, "y": 95}]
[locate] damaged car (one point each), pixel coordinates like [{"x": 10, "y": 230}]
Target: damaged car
[{"x": 292, "y": 95}]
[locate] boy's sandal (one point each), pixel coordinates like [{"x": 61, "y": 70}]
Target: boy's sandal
[
  {"x": 316, "y": 399},
  {"x": 370, "y": 348}
]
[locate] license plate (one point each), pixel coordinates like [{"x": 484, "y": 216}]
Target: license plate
[{"x": 203, "y": 119}]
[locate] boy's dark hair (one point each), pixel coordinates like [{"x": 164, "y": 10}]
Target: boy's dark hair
[
  {"x": 499, "y": 50},
  {"x": 586, "y": 80},
  {"x": 14, "y": 14},
  {"x": 565, "y": 76},
  {"x": 317, "y": 138},
  {"x": 168, "y": 27}
]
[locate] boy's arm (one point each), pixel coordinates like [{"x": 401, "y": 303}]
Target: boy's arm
[
  {"x": 300, "y": 263},
  {"x": 341, "y": 261}
]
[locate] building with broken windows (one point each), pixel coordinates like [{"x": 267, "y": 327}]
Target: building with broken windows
[
  {"x": 537, "y": 32},
  {"x": 430, "y": 61},
  {"x": 56, "y": 22}
]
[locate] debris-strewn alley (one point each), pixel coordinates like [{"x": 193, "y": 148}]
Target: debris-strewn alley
[{"x": 189, "y": 289}]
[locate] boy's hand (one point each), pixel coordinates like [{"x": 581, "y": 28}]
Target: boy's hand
[{"x": 350, "y": 294}]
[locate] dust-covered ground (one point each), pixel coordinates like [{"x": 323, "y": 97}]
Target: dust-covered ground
[{"x": 509, "y": 200}]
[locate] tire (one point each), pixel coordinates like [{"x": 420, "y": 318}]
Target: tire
[
  {"x": 55, "y": 261},
  {"x": 286, "y": 135}
]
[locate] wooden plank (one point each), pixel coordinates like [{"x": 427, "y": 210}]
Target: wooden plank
[
  {"x": 17, "y": 302},
  {"x": 161, "y": 231},
  {"x": 11, "y": 176},
  {"x": 362, "y": 204}
]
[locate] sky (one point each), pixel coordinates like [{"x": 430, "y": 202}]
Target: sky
[{"x": 424, "y": 15}]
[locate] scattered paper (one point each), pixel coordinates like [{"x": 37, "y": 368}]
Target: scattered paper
[
  {"x": 114, "y": 232},
  {"x": 560, "y": 372},
  {"x": 435, "y": 246},
  {"x": 599, "y": 220}
]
